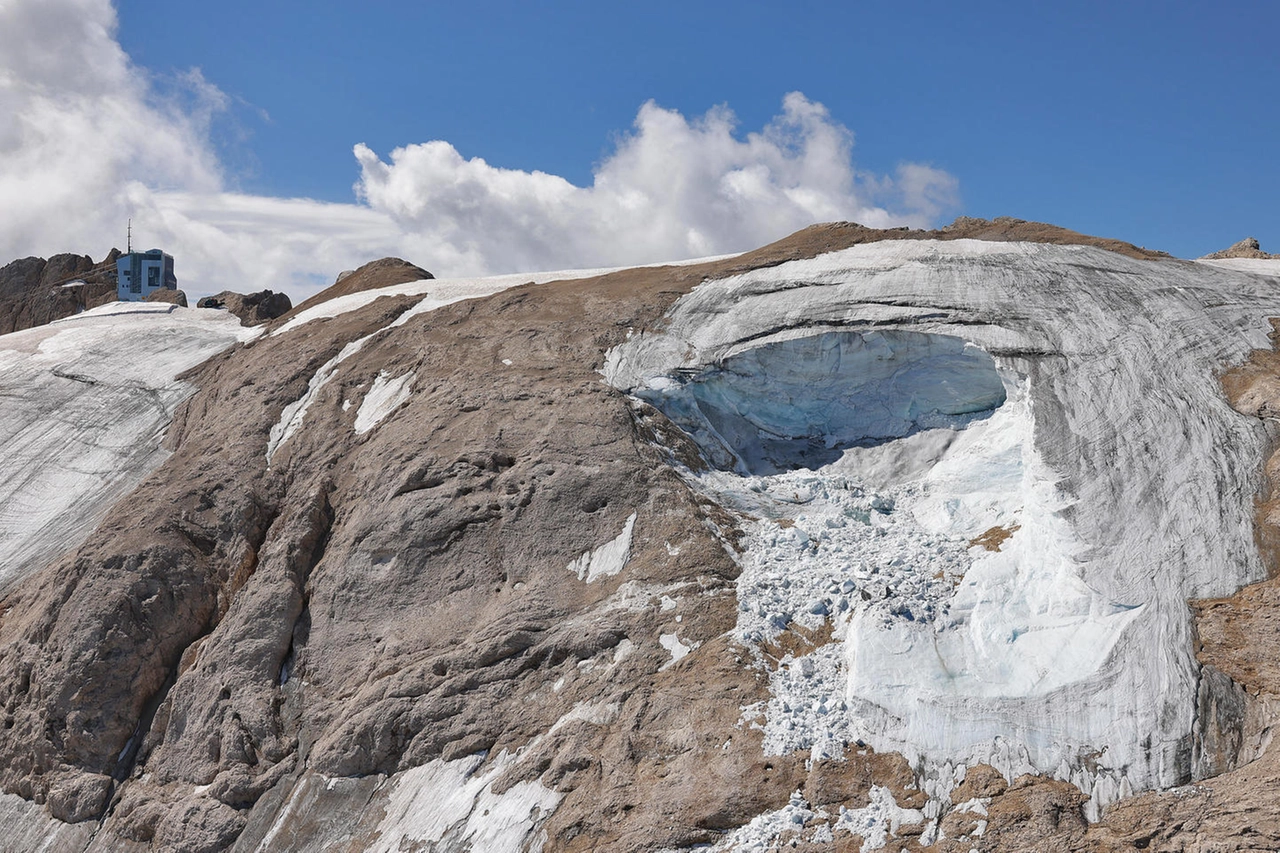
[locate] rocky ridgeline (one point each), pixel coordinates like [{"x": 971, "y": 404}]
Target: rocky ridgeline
[
  {"x": 253, "y": 309},
  {"x": 34, "y": 291}
]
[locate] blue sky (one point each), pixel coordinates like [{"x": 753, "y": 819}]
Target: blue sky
[
  {"x": 1156, "y": 122},
  {"x": 1151, "y": 122}
]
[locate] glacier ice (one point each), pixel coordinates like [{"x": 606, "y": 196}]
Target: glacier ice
[
  {"x": 798, "y": 402},
  {"x": 1111, "y": 477},
  {"x": 86, "y": 401}
]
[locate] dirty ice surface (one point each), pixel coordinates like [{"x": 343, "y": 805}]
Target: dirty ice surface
[
  {"x": 1111, "y": 479},
  {"x": 86, "y": 401},
  {"x": 1257, "y": 266}
]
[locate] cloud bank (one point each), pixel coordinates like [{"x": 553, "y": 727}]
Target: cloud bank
[{"x": 86, "y": 142}]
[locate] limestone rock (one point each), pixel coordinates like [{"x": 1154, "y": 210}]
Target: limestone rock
[
  {"x": 34, "y": 291},
  {"x": 380, "y": 273},
  {"x": 385, "y": 636},
  {"x": 253, "y": 309},
  {"x": 170, "y": 295},
  {"x": 1246, "y": 248}
]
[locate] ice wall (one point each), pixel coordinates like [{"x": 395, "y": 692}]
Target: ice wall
[
  {"x": 1116, "y": 477},
  {"x": 797, "y": 403}
]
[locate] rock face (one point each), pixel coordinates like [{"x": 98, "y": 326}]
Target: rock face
[
  {"x": 34, "y": 291},
  {"x": 253, "y": 309},
  {"x": 405, "y": 573}
]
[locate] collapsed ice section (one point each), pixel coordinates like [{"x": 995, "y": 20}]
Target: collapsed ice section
[
  {"x": 798, "y": 403},
  {"x": 1109, "y": 478}
]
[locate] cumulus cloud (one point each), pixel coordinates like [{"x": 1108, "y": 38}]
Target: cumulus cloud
[
  {"x": 88, "y": 140},
  {"x": 673, "y": 188}
]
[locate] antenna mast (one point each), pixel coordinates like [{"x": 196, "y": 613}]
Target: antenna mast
[{"x": 129, "y": 239}]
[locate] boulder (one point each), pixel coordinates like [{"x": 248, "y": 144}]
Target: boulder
[
  {"x": 165, "y": 294},
  {"x": 251, "y": 308}
]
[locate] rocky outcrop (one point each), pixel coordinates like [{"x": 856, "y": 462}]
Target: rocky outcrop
[
  {"x": 34, "y": 291},
  {"x": 253, "y": 309},
  {"x": 1246, "y": 248},
  {"x": 171, "y": 296},
  {"x": 380, "y": 273},
  {"x": 423, "y": 580}
]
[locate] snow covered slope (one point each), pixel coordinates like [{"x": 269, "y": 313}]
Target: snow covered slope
[
  {"x": 888, "y": 410},
  {"x": 86, "y": 401}
]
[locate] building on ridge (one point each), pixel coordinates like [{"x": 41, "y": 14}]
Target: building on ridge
[{"x": 139, "y": 274}]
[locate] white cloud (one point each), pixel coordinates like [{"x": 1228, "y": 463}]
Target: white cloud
[
  {"x": 86, "y": 141},
  {"x": 674, "y": 188}
]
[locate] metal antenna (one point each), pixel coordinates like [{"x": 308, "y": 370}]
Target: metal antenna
[{"x": 129, "y": 239}]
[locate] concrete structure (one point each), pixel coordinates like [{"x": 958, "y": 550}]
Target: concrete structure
[{"x": 139, "y": 274}]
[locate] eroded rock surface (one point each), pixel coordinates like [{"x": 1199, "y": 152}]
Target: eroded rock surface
[
  {"x": 34, "y": 291},
  {"x": 253, "y": 309}
]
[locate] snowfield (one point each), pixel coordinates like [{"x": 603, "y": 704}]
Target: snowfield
[
  {"x": 86, "y": 401},
  {"x": 1057, "y": 404}
]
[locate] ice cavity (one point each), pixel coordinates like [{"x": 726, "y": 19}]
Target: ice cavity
[
  {"x": 797, "y": 403},
  {"x": 1118, "y": 478}
]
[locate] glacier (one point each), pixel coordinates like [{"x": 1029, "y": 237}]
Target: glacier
[{"x": 998, "y": 471}]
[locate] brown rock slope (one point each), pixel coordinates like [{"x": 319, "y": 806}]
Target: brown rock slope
[
  {"x": 372, "y": 602},
  {"x": 34, "y": 291}
]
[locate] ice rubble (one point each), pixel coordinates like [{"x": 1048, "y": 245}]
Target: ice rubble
[
  {"x": 1111, "y": 473},
  {"x": 86, "y": 402},
  {"x": 874, "y": 823}
]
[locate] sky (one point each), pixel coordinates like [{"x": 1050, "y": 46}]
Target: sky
[{"x": 277, "y": 143}]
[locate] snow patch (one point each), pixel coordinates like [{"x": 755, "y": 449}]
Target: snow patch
[
  {"x": 292, "y": 415},
  {"x": 608, "y": 559},
  {"x": 678, "y": 650},
  {"x": 383, "y": 398},
  {"x": 451, "y": 804}
]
